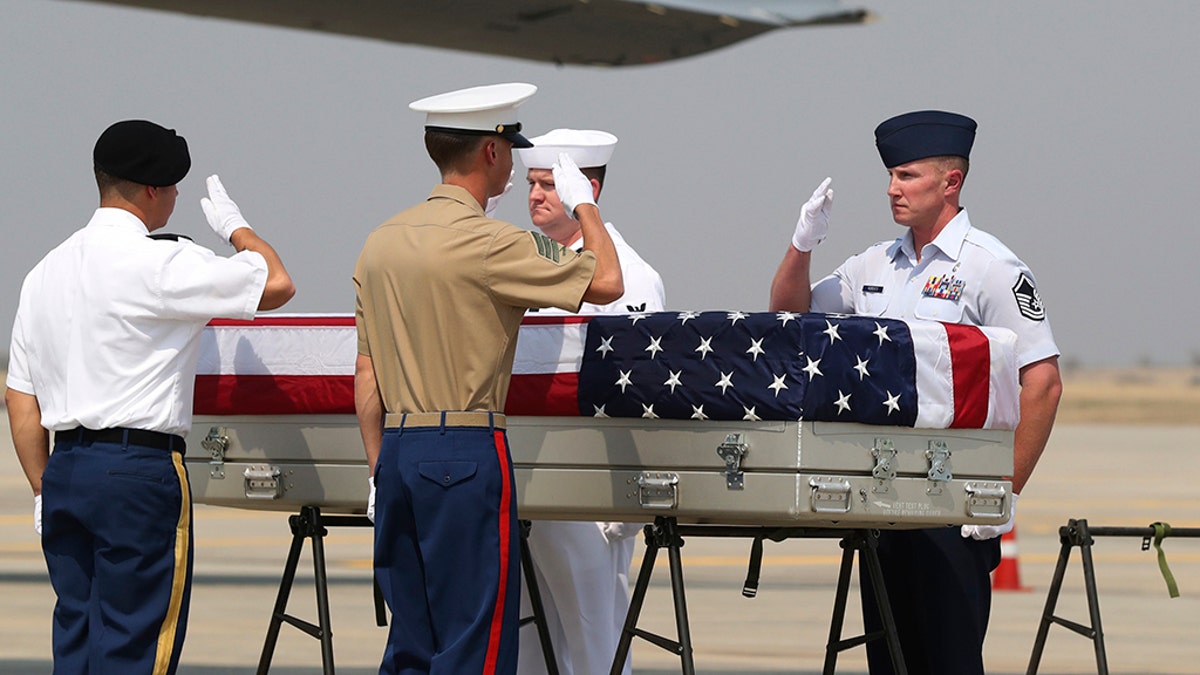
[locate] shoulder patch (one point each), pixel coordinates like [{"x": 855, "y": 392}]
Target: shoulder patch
[
  {"x": 168, "y": 236},
  {"x": 549, "y": 249},
  {"x": 1029, "y": 303}
]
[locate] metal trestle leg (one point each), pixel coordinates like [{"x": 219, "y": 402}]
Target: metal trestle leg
[
  {"x": 667, "y": 533},
  {"x": 308, "y": 524},
  {"x": 535, "y": 601},
  {"x": 664, "y": 533}
]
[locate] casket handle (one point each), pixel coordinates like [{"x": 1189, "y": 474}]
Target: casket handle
[
  {"x": 829, "y": 494},
  {"x": 658, "y": 490}
]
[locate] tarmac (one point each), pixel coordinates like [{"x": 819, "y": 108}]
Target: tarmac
[{"x": 1116, "y": 476}]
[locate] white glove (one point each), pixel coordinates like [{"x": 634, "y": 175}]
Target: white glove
[
  {"x": 223, "y": 215},
  {"x": 814, "y": 218},
  {"x": 37, "y": 514},
  {"x": 572, "y": 186},
  {"x": 371, "y": 500},
  {"x": 614, "y": 532},
  {"x": 493, "y": 202},
  {"x": 983, "y": 532}
]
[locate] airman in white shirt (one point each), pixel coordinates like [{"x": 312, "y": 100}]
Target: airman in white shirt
[{"x": 941, "y": 269}]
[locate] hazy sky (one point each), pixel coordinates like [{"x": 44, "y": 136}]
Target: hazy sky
[{"x": 1083, "y": 163}]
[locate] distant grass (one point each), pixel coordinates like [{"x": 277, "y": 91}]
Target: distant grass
[{"x": 1145, "y": 395}]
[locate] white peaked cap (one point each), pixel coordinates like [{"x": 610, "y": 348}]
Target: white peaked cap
[
  {"x": 587, "y": 147},
  {"x": 490, "y": 109}
]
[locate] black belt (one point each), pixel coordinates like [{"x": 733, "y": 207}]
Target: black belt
[{"x": 148, "y": 439}]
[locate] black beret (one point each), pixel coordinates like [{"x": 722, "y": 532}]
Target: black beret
[
  {"x": 142, "y": 152},
  {"x": 926, "y": 133}
]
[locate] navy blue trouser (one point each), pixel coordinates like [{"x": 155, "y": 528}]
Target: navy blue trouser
[
  {"x": 447, "y": 551},
  {"x": 940, "y": 592},
  {"x": 117, "y": 537}
]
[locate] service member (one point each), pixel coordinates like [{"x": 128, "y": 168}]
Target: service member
[
  {"x": 441, "y": 290},
  {"x": 941, "y": 269},
  {"x": 104, "y": 351},
  {"x": 591, "y": 150},
  {"x": 582, "y": 568}
]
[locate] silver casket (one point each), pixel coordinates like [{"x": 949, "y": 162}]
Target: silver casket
[{"x": 714, "y": 417}]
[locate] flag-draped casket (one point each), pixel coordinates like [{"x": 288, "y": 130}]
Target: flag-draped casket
[{"x": 759, "y": 418}]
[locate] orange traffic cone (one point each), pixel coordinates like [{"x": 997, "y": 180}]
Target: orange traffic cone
[{"x": 1006, "y": 576}]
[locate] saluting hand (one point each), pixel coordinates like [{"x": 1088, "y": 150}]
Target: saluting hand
[
  {"x": 222, "y": 214},
  {"x": 572, "y": 186},
  {"x": 814, "y": 218}
]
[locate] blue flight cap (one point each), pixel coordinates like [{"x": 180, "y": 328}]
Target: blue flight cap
[{"x": 926, "y": 133}]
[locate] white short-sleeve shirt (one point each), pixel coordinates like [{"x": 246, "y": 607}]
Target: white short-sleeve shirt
[
  {"x": 107, "y": 330},
  {"x": 965, "y": 276},
  {"x": 643, "y": 284}
]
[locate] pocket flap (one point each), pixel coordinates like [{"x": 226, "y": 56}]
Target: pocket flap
[{"x": 447, "y": 473}]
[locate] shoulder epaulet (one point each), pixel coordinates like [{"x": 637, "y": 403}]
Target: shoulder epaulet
[{"x": 168, "y": 236}]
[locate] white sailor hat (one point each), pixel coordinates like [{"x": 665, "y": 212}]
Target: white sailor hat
[
  {"x": 491, "y": 109},
  {"x": 586, "y": 147}
]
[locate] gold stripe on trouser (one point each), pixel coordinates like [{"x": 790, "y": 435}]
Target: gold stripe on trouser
[{"x": 166, "y": 635}]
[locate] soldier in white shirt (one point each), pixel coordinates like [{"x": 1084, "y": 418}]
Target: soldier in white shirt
[
  {"x": 103, "y": 354},
  {"x": 941, "y": 269},
  {"x": 582, "y": 568}
]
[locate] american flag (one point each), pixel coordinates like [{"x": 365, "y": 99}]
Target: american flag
[{"x": 670, "y": 365}]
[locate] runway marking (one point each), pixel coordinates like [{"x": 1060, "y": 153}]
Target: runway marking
[
  {"x": 21, "y": 547},
  {"x": 282, "y": 541},
  {"x": 826, "y": 560}
]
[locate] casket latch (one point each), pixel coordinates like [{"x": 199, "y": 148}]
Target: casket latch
[
  {"x": 216, "y": 443},
  {"x": 884, "y": 453},
  {"x": 732, "y": 451},
  {"x": 939, "y": 466},
  {"x": 262, "y": 482},
  {"x": 658, "y": 490},
  {"x": 829, "y": 494}
]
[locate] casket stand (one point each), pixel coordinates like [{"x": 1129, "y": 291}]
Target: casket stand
[{"x": 753, "y": 478}]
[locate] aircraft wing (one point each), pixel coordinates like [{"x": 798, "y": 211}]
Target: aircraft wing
[{"x": 596, "y": 32}]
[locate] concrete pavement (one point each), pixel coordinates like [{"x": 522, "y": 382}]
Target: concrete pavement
[{"x": 1111, "y": 475}]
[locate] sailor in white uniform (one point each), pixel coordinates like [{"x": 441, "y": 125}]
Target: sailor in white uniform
[{"x": 582, "y": 568}]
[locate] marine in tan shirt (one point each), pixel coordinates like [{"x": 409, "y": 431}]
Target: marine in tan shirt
[
  {"x": 442, "y": 289},
  {"x": 440, "y": 292}
]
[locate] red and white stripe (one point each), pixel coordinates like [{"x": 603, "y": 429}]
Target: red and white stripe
[
  {"x": 966, "y": 376},
  {"x": 277, "y": 365},
  {"x": 304, "y": 364}
]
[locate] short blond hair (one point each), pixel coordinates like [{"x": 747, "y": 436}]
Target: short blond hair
[{"x": 950, "y": 162}]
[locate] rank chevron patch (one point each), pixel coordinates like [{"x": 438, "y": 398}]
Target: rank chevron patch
[
  {"x": 549, "y": 249},
  {"x": 1029, "y": 303}
]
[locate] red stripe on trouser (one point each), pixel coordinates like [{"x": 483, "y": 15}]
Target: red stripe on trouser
[
  {"x": 489, "y": 663},
  {"x": 970, "y": 365}
]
